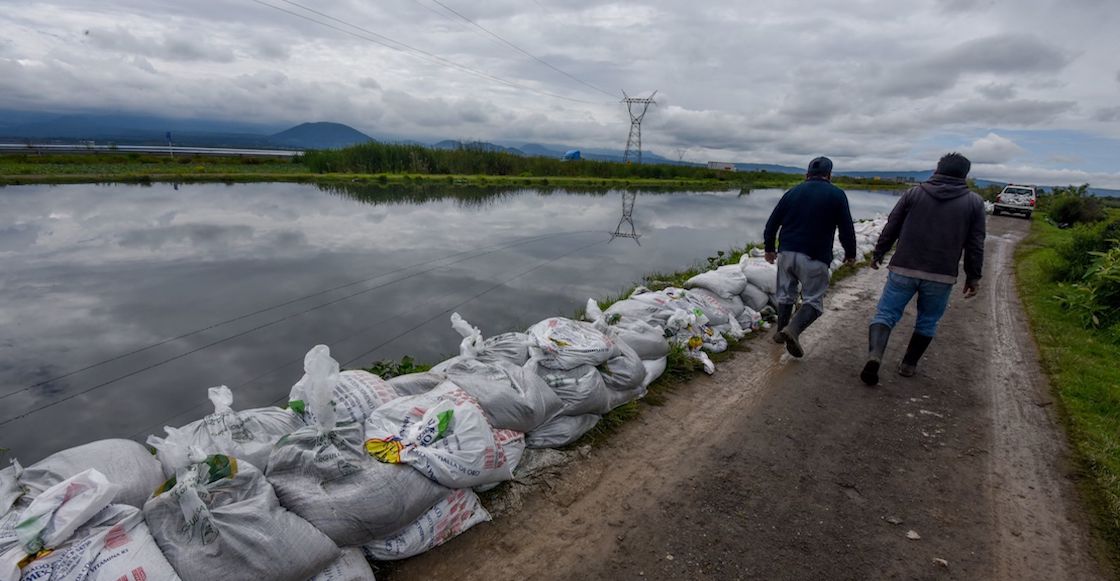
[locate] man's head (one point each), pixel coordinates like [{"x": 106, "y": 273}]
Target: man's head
[
  {"x": 954, "y": 165},
  {"x": 820, "y": 167}
]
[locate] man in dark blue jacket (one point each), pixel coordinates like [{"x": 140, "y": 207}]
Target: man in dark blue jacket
[
  {"x": 808, "y": 216},
  {"x": 933, "y": 223}
]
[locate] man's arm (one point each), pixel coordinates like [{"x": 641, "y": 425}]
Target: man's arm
[
  {"x": 893, "y": 228},
  {"x": 846, "y": 228},
  {"x": 974, "y": 247},
  {"x": 770, "y": 233}
]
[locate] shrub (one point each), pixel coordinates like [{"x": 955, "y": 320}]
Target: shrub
[
  {"x": 1073, "y": 205},
  {"x": 1076, "y": 256},
  {"x": 1095, "y": 300}
]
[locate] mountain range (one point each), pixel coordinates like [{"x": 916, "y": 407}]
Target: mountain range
[{"x": 126, "y": 129}]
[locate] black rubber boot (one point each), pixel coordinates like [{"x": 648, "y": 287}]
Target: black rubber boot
[
  {"x": 792, "y": 333},
  {"x": 784, "y": 314},
  {"x": 914, "y": 352},
  {"x": 877, "y": 337}
]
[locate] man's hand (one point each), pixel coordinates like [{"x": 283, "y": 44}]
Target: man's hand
[
  {"x": 771, "y": 257},
  {"x": 875, "y": 262},
  {"x": 970, "y": 288}
]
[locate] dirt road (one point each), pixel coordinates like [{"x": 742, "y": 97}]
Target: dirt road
[{"x": 777, "y": 468}]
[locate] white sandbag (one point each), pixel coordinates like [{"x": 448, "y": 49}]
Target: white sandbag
[
  {"x": 126, "y": 463},
  {"x": 561, "y": 343},
  {"x": 760, "y": 273},
  {"x": 581, "y": 390},
  {"x": 654, "y": 369},
  {"x": 561, "y": 431},
  {"x": 623, "y": 372},
  {"x": 512, "y": 397},
  {"x": 417, "y": 383},
  {"x": 646, "y": 339},
  {"x": 726, "y": 281},
  {"x": 754, "y": 297},
  {"x": 718, "y": 311},
  {"x": 449, "y": 518},
  {"x": 52, "y": 518},
  {"x": 114, "y": 544},
  {"x": 247, "y": 435},
  {"x": 324, "y": 474},
  {"x": 220, "y": 519},
  {"x": 351, "y": 566},
  {"x": 354, "y": 394},
  {"x": 749, "y": 319},
  {"x": 10, "y": 489},
  {"x": 646, "y": 311},
  {"x": 507, "y": 347},
  {"x": 443, "y": 434}
]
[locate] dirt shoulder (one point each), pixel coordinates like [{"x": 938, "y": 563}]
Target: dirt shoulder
[{"x": 783, "y": 469}]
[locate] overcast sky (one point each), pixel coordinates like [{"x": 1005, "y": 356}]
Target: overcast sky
[{"x": 1029, "y": 89}]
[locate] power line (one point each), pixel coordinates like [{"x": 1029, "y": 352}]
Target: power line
[
  {"x": 284, "y": 304},
  {"x": 223, "y": 340},
  {"x": 521, "y": 50},
  {"x": 377, "y": 38}
]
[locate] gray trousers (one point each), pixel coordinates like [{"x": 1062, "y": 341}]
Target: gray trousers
[{"x": 796, "y": 269}]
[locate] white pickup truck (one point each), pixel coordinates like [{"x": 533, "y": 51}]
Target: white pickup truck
[{"x": 1015, "y": 200}]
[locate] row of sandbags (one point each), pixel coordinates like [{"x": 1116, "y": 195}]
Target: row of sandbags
[{"x": 383, "y": 469}]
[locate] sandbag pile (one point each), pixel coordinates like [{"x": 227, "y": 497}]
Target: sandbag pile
[{"x": 72, "y": 530}]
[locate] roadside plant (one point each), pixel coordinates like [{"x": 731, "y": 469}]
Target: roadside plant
[{"x": 1095, "y": 300}]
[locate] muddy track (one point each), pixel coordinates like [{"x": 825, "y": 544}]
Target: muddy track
[{"x": 776, "y": 468}]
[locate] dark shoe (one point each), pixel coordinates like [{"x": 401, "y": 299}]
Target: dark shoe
[
  {"x": 914, "y": 352},
  {"x": 792, "y": 333},
  {"x": 784, "y": 314},
  {"x": 877, "y": 337}
]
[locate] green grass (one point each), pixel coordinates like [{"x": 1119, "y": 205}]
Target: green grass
[
  {"x": 387, "y": 166},
  {"x": 1082, "y": 366}
]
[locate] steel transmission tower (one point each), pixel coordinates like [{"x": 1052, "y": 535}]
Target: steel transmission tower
[
  {"x": 628, "y": 198},
  {"x": 634, "y": 141}
]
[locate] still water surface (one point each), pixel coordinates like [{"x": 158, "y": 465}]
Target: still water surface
[{"x": 120, "y": 305}]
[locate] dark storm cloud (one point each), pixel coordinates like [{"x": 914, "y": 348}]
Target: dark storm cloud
[
  {"x": 173, "y": 48},
  {"x": 997, "y": 90},
  {"x": 1107, "y": 114}
]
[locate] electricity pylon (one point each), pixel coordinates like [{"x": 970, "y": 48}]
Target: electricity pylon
[
  {"x": 634, "y": 141},
  {"x": 628, "y": 199}
]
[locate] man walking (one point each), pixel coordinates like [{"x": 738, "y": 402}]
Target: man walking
[
  {"x": 808, "y": 216},
  {"x": 933, "y": 223}
]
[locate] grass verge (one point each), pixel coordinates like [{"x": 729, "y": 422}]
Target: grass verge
[{"x": 1082, "y": 366}]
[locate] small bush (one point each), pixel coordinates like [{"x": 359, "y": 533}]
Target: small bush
[
  {"x": 1076, "y": 256},
  {"x": 1072, "y": 205},
  {"x": 1095, "y": 300}
]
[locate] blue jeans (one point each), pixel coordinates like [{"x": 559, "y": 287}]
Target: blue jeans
[{"x": 933, "y": 298}]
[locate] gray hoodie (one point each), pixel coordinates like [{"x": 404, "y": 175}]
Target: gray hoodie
[{"x": 933, "y": 223}]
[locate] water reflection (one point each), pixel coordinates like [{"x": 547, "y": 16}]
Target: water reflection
[{"x": 120, "y": 305}]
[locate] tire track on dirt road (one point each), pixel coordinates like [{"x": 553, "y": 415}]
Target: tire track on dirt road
[{"x": 776, "y": 468}]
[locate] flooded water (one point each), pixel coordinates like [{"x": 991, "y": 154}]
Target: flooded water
[{"x": 120, "y": 305}]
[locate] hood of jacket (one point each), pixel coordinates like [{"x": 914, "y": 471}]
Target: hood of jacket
[{"x": 944, "y": 187}]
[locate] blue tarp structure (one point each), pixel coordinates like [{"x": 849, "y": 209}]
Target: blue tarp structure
[{"x": 571, "y": 155}]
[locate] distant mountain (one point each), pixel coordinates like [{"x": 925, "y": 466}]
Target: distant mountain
[{"x": 320, "y": 135}]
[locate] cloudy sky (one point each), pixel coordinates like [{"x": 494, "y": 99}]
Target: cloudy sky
[{"x": 1029, "y": 89}]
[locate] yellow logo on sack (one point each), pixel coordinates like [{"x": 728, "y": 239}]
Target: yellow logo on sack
[{"x": 387, "y": 450}]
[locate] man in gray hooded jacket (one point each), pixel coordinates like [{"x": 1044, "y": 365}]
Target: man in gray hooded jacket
[{"x": 933, "y": 224}]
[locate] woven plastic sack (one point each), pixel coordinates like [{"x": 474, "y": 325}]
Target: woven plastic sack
[
  {"x": 581, "y": 389},
  {"x": 645, "y": 311},
  {"x": 443, "y": 434},
  {"x": 417, "y": 383},
  {"x": 512, "y": 397},
  {"x": 10, "y": 489},
  {"x": 354, "y": 394},
  {"x": 323, "y": 473},
  {"x": 449, "y": 518},
  {"x": 654, "y": 369},
  {"x": 351, "y": 566},
  {"x": 646, "y": 339},
  {"x": 125, "y": 463},
  {"x": 561, "y": 431},
  {"x": 726, "y": 281},
  {"x": 718, "y": 310},
  {"x": 114, "y": 544},
  {"x": 760, "y": 273},
  {"x": 507, "y": 347},
  {"x": 754, "y": 297},
  {"x": 567, "y": 344},
  {"x": 219, "y": 519},
  {"x": 247, "y": 435},
  {"x": 624, "y": 371}
]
